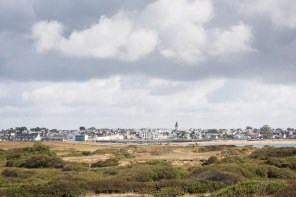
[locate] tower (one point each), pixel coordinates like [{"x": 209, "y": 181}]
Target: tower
[{"x": 176, "y": 126}]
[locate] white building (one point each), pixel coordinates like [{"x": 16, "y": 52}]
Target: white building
[{"x": 111, "y": 137}]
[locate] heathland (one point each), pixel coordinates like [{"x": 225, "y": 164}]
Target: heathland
[{"x": 93, "y": 169}]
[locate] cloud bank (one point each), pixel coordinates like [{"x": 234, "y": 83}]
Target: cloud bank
[{"x": 173, "y": 29}]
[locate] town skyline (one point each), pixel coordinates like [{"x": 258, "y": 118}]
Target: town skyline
[
  {"x": 154, "y": 134},
  {"x": 181, "y": 127}
]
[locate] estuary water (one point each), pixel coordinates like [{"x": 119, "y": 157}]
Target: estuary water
[
  {"x": 236, "y": 144},
  {"x": 256, "y": 145}
]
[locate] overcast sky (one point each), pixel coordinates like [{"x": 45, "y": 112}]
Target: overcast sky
[{"x": 134, "y": 64}]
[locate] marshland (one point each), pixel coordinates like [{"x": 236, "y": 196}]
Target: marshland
[{"x": 93, "y": 169}]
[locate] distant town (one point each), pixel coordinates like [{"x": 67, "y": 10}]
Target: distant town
[{"x": 152, "y": 134}]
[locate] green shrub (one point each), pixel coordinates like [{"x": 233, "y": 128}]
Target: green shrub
[
  {"x": 78, "y": 167},
  {"x": 169, "y": 192},
  {"x": 129, "y": 156},
  {"x": 267, "y": 152},
  {"x": 235, "y": 159},
  {"x": 86, "y": 153},
  {"x": 153, "y": 171},
  {"x": 288, "y": 191},
  {"x": 287, "y": 162},
  {"x": 274, "y": 172},
  {"x": 12, "y": 173},
  {"x": 37, "y": 161},
  {"x": 2, "y": 155},
  {"x": 211, "y": 160},
  {"x": 113, "y": 151},
  {"x": 42, "y": 161},
  {"x": 57, "y": 188},
  {"x": 14, "y": 163},
  {"x": 160, "y": 150},
  {"x": 15, "y": 173},
  {"x": 215, "y": 148},
  {"x": 23, "y": 153},
  {"x": 73, "y": 154},
  {"x": 115, "y": 185},
  {"x": 193, "y": 187},
  {"x": 106, "y": 163},
  {"x": 251, "y": 188},
  {"x": 224, "y": 177},
  {"x": 110, "y": 171},
  {"x": 39, "y": 148}
]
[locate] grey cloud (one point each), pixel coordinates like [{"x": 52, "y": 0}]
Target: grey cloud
[
  {"x": 22, "y": 69},
  {"x": 274, "y": 58},
  {"x": 231, "y": 91}
]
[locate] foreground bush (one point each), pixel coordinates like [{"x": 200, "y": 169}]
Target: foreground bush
[
  {"x": 288, "y": 162},
  {"x": 169, "y": 192},
  {"x": 223, "y": 177},
  {"x": 234, "y": 159},
  {"x": 78, "y": 167},
  {"x": 232, "y": 173},
  {"x": 38, "y": 161},
  {"x": 267, "y": 152},
  {"x": 252, "y": 188},
  {"x": 106, "y": 163},
  {"x": 211, "y": 160},
  {"x": 115, "y": 185},
  {"x": 15, "y": 173},
  {"x": 288, "y": 191},
  {"x": 153, "y": 171},
  {"x": 73, "y": 154},
  {"x": 23, "y": 153},
  {"x": 39, "y": 148},
  {"x": 58, "y": 189}
]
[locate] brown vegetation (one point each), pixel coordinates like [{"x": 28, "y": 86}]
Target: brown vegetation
[{"x": 159, "y": 170}]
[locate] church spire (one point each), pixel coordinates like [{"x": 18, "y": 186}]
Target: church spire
[{"x": 176, "y": 126}]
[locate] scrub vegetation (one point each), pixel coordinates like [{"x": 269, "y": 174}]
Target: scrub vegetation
[{"x": 43, "y": 170}]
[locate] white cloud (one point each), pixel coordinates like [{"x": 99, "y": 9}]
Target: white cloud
[
  {"x": 113, "y": 37},
  {"x": 175, "y": 28},
  {"x": 47, "y": 35},
  {"x": 281, "y": 12},
  {"x": 3, "y": 91},
  {"x": 180, "y": 27},
  {"x": 235, "y": 40}
]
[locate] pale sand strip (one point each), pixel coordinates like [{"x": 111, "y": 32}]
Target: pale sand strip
[{"x": 274, "y": 141}]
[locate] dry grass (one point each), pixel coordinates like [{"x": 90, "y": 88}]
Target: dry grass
[
  {"x": 136, "y": 195},
  {"x": 87, "y": 159},
  {"x": 178, "y": 155},
  {"x": 118, "y": 195}
]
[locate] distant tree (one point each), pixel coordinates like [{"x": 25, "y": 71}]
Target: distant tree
[
  {"x": 44, "y": 129},
  {"x": 212, "y": 131},
  {"x": 265, "y": 129},
  {"x": 21, "y": 129},
  {"x": 92, "y": 128},
  {"x": 182, "y": 134},
  {"x": 264, "y": 136},
  {"x": 226, "y": 136},
  {"x": 82, "y": 128},
  {"x": 35, "y": 129}
]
